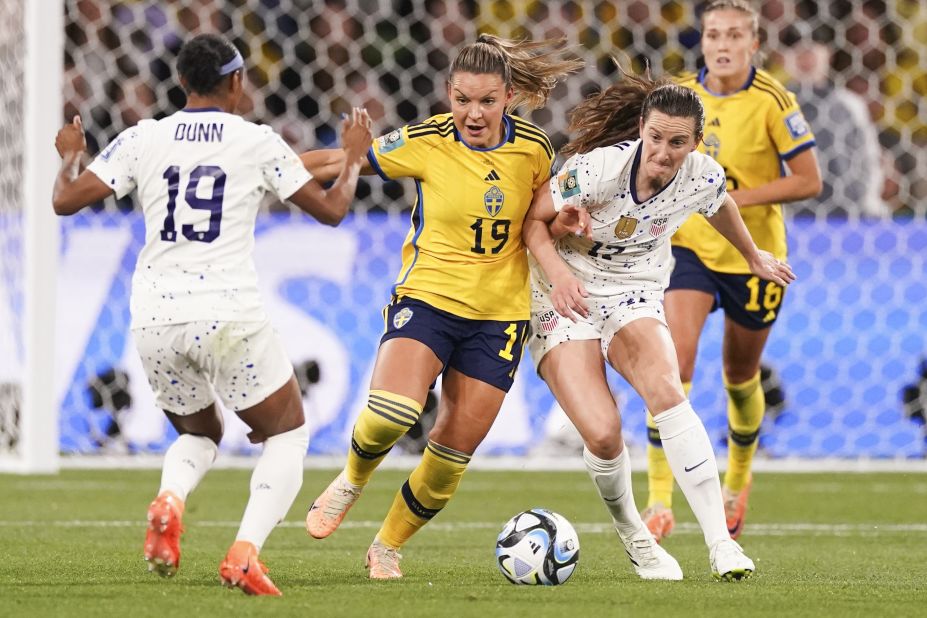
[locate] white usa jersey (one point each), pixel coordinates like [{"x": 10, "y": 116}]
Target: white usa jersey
[
  {"x": 630, "y": 243},
  {"x": 200, "y": 175}
]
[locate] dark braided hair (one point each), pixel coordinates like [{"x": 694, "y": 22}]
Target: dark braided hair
[{"x": 199, "y": 62}]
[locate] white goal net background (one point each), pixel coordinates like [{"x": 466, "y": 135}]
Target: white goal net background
[{"x": 852, "y": 329}]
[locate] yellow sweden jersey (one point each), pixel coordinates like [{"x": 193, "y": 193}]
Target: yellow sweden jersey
[
  {"x": 464, "y": 253},
  {"x": 750, "y": 133}
]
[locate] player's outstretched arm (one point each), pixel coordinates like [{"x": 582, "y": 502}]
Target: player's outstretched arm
[
  {"x": 763, "y": 264},
  {"x": 75, "y": 189},
  {"x": 327, "y": 163},
  {"x": 568, "y": 293},
  {"x": 329, "y": 206}
]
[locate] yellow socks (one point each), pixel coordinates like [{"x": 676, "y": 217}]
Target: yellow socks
[
  {"x": 659, "y": 474},
  {"x": 385, "y": 419},
  {"x": 746, "y": 405},
  {"x": 428, "y": 489}
]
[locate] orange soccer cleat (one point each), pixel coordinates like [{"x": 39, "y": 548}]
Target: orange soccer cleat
[
  {"x": 242, "y": 569},
  {"x": 659, "y": 521},
  {"x": 735, "y": 508},
  {"x": 162, "y": 539}
]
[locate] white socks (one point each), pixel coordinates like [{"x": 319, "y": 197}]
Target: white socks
[
  {"x": 692, "y": 460},
  {"x": 185, "y": 463},
  {"x": 275, "y": 482},
  {"x": 613, "y": 480}
]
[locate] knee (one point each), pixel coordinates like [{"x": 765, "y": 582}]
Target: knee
[{"x": 604, "y": 442}]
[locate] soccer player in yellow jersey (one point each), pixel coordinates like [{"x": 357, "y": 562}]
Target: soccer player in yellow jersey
[
  {"x": 753, "y": 128},
  {"x": 461, "y": 300}
]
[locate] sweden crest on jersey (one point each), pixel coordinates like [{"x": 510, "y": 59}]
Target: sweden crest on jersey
[
  {"x": 402, "y": 318},
  {"x": 493, "y": 200}
]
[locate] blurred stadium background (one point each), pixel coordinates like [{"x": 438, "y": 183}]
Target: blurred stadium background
[{"x": 846, "y": 359}]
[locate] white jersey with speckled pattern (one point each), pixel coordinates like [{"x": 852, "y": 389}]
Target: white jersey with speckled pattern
[
  {"x": 629, "y": 247},
  {"x": 200, "y": 176}
]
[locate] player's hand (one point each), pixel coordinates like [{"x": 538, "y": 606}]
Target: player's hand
[
  {"x": 766, "y": 266},
  {"x": 70, "y": 139},
  {"x": 569, "y": 297},
  {"x": 576, "y": 220},
  {"x": 355, "y": 133}
]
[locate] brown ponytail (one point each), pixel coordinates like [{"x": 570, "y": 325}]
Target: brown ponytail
[{"x": 614, "y": 114}]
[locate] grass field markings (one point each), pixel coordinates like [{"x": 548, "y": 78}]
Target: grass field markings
[
  {"x": 839, "y": 488},
  {"x": 788, "y": 529}
]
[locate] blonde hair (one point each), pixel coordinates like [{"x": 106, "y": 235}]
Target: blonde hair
[
  {"x": 737, "y": 5},
  {"x": 531, "y": 68},
  {"x": 614, "y": 115}
]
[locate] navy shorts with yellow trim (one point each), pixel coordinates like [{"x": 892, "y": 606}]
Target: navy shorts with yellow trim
[
  {"x": 487, "y": 350},
  {"x": 752, "y": 302}
]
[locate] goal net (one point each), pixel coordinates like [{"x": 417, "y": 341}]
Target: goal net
[{"x": 852, "y": 330}]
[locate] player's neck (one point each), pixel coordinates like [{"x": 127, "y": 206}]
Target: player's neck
[
  {"x": 195, "y": 101},
  {"x": 727, "y": 84}
]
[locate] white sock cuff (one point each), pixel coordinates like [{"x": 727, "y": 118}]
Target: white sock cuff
[
  {"x": 202, "y": 444},
  {"x": 677, "y": 420},
  {"x": 185, "y": 463},
  {"x": 604, "y": 466},
  {"x": 297, "y": 436}
]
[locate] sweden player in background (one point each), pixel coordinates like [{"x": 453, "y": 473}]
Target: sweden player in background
[
  {"x": 461, "y": 300},
  {"x": 754, "y": 129},
  {"x": 197, "y": 317},
  {"x": 634, "y": 179}
]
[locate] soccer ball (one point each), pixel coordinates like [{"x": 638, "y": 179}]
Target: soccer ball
[{"x": 537, "y": 547}]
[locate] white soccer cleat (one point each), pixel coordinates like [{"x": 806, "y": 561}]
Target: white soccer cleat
[
  {"x": 329, "y": 509},
  {"x": 383, "y": 561},
  {"x": 728, "y": 561},
  {"x": 649, "y": 559}
]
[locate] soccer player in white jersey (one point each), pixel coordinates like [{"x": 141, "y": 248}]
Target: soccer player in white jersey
[
  {"x": 197, "y": 317},
  {"x": 597, "y": 296}
]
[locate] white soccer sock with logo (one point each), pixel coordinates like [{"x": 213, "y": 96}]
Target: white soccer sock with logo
[
  {"x": 688, "y": 450},
  {"x": 275, "y": 482},
  {"x": 612, "y": 479},
  {"x": 186, "y": 462}
]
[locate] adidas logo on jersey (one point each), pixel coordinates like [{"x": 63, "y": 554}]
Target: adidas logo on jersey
[
  {"x": 715, "y": 122},
  {"x": 492, "y": 175}
]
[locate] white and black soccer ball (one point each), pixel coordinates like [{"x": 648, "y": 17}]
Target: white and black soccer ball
[{"x": 537, "y": 547}]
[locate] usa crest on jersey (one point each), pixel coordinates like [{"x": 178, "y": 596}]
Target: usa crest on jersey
[
  {"x": 658, "y": 226},
  {"x": 493, "y": 200}
]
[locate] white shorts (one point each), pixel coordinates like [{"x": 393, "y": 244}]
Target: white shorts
[
  {"x": 606, "y": 318},
  {"x": 188, "y": 365}
]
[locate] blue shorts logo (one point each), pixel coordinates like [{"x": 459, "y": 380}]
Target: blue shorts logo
[
  {"x": 402, "y": 317},
  {"x": 493, "y": 200}
]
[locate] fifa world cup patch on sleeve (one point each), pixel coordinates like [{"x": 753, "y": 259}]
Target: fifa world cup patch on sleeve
[
  {"x": 391, "y": 141},
  {"x": 569, "y": 185},
  {"x": 796, "y": 125}
]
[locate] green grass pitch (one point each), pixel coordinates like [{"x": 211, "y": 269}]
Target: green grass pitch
[{"x": 838, "y": 544}]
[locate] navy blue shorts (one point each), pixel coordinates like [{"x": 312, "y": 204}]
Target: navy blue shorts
[
  {"x": 752, "y": 302},
  {"x": 486, "y": 350}
]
